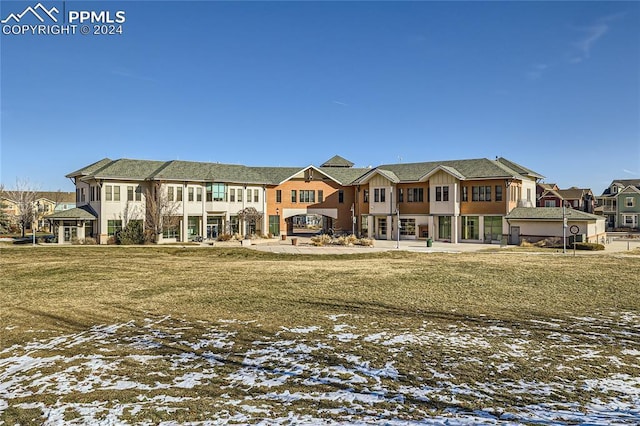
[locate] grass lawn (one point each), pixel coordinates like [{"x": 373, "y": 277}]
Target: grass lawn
[{"x": 210, "y": 335}]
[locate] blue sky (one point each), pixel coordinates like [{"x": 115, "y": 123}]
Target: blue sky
[{"x": 554, "y": 86}]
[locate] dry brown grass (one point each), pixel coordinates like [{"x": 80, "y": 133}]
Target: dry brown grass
[{"x": 48, "y": 291}]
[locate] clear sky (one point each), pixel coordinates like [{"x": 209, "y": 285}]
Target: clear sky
[{"x": 554, "y": 86}]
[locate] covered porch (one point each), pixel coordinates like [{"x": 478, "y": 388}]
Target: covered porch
[{"x": 73, "y": 225}]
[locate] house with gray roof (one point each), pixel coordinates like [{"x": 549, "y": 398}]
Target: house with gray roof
[
  {"x": 620, "y": 205},
  {"x": 455, "y": 200}
]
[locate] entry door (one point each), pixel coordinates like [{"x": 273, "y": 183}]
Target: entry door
[
  {"x": 212, "y": 232},
  {"x": 515, "y": 235},
  {"x": 274, "y": 225},
  {"x": 382, "y": 227}
]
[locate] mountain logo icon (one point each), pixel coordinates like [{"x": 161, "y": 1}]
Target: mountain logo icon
[{"x": 38, "y": 11}]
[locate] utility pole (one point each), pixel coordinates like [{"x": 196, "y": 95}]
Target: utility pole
[{"x": 564, "y": 228}]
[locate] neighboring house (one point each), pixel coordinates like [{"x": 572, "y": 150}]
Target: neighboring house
[
  {"x": 541, "y": 188},
  {"x": 620, "y": 205},
  {"x": 577, "y": 198},
  {"x": 460, "y": 200},
  {"x": 45, "y": 202},
  {"x": 535, "y": 224}
]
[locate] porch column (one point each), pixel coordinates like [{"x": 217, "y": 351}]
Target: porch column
[
  {"x": 185, "y": 222},
  {"x": 390, "y": 227},
  {"x": 61, "y": 232}
]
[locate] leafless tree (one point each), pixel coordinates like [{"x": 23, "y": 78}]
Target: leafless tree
[
  {"x": 131, "y": 212},
  {"x": 160, "y": 212},
  {"x": 24, "y": 196}
]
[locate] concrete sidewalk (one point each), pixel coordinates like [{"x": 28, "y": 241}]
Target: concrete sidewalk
[{"x": 304, "y": 246}]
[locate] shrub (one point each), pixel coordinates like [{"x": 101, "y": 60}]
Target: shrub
[
  {"x": 589, "y": 246},
  {"x": 133, "y": 233},
  {"x": 224, "y": 237},
  {"x": 111, "y": 240},
  {"x": 320, "y": 240},
  {"x": 89, "y": 241},
  {"x": 367, "y": 242}
]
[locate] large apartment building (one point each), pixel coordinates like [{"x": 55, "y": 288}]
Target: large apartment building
[{"x": 457, "y": 201}]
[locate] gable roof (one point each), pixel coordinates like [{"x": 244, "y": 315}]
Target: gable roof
[
  {"x": 629, "y": 190},
  {"x": 573, "y": 193},
  {"x": 480, "y": 168},
  {"x": 621, "y": 183},
  {"x": 550, "y": 214},
  {"x": 77, "y": 213},
  {"x": 337, "y": 161}
]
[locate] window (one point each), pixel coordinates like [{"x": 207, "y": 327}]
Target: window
[
  {"x": 219, "y": 191},
  {"x": 138, "y": 193},
  {"x": 278, "y": 195},
  {"x": 129, "y": 193},
  {"x": 113, "y": 226},
  {"x": 320, "y": 196},
  {"x": 248, "y": 195},
  {"x": 239, "y": 195},
  {"x": 549, "y": 203},
  {"x": 307, "y": 196},
  {"x": 408, "y": 227},
  {"x": 465, "y": 195},
  {"x": 199, "y": 194},
  {"x": 340, "y": 196},
  {"x": 171, "y": 232},
  {"x": 365, "y": 195},
  {"x": 93, "y": 193},
  {"x": 400, "y": 195},
  {"x": 209, "y": 192},
  {"x": 445, "y": 193},
  {"x": 415, "y": 195},
  {"x": 232, "y": 195},
  {"x": 170, "y": 194},
  {"x": 444, "y": 226},
  {"x": 492, "y": 228},
  {"x": 116, "y": 193},
  {"x": 628, "y": 201},
  {"x": 481, "y": 193},
  {"x": 379, "y": 195},
  {"x": 470, "y": 228},
  {"x": 82, "y": 195},
  {"x": 364, "y": 224},
  {"x": 293, "y": 195},
  {"x": 256, "y": 195},
  {"x": 438, "y": 193},
  {"x": 179, "y": 193},
  {"x": 498, "y": 192},
  {"x": 190, "y": 194},
  {"x": 108, "y": 193}
]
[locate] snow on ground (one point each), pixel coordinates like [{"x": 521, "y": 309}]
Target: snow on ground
[{"x": 345, "y": 373}]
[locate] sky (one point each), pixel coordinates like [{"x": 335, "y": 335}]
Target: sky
[{"x": 554, "y": 86}]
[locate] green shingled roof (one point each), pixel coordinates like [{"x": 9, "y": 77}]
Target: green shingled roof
[
  {"x": 481, "y": 168},
  {"x": 91, "y": 168},
  {"x": 549, "y": 213},
  {"x": 208, "y": 172},
  {"x": 337, "y": 161},
  {"x": 78, "y": 213}
]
